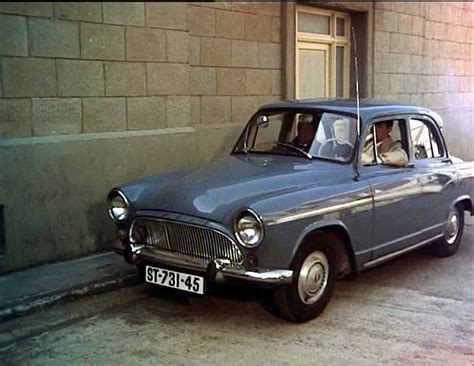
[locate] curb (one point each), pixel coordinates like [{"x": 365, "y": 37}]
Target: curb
[{"x": 42, "y": 301}]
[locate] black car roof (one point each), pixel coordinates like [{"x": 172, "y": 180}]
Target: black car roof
[{"x": 369, "y": 108}]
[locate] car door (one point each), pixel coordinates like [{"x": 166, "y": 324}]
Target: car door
[
  {"x": 396, "y": 192},
  {"x": 436, "y": 174}
]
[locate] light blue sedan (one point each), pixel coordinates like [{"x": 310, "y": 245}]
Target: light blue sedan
[{"x": 310, "y": 193}]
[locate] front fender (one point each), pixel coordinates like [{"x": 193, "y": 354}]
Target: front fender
[{"x": 326, "y": 223}]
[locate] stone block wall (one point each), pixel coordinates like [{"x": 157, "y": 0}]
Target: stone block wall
[
  {"x": 424, "y": 54},
  {"x": 235, "y": 60},
  {"x": 211, "y": 64},
  {"x": 94, "y": 94}
]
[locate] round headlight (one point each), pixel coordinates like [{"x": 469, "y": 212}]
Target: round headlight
[
  {"x": 248, "y": 229},
  {"x": 119, "y": 209}
]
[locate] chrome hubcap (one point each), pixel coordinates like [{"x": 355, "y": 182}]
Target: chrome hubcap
[
  {"x": 452, "y": 229},
  {"x": 313, "y": 277}
]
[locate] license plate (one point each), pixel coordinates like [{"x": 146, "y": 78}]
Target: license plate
[{"x": 174, "y": 279}]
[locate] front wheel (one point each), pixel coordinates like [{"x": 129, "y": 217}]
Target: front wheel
[
  {"x": 449, "y": 243},
  {"x": 313, "y": 281}
]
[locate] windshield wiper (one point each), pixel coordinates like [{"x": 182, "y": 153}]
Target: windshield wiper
[{"x": 295, "y": 148}]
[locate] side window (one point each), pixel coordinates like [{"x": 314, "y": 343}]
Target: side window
[
  {"x": 426, "y": 145},
  {"x": 390, "y": 147}
]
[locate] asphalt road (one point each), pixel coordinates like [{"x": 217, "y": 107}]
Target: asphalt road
[{"x": 417, "y": 309}]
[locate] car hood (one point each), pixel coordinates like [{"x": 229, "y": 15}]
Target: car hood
[{"x": 219, "y": 190}]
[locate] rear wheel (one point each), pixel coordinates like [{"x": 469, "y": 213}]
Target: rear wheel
[
  {"x": 313, "y": 282},
  {"x": 449, "y": 243}
]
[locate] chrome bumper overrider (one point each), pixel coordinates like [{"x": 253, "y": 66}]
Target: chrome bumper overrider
[{"x": 222, "y": 269}]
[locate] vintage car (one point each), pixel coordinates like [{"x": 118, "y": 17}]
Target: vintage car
[{"x": 312, "y": 191}]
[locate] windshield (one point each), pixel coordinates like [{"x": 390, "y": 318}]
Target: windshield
[{"x": 313, "y": 134}]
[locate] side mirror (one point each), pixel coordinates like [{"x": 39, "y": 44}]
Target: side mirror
[{"x": 262, "y": 121}]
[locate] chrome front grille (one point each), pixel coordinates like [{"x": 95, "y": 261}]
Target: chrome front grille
[{"x": 185, "y": 239}]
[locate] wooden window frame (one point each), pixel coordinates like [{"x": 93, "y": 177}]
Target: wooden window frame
[{"x": 332, "y": 40}]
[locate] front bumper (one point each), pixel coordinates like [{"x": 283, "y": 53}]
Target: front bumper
[{"x": 221, "y": 270}]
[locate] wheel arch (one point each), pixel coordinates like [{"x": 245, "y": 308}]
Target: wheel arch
[
  {"x": 344, "y": 253},
  {"x": 465, "y": 201}
]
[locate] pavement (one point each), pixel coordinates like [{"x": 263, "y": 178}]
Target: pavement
[{"x": 29, "y": 290}]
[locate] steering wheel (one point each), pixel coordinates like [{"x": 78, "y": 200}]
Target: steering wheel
[{"x": 342, "y": 141}]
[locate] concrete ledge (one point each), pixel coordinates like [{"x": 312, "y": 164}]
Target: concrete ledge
[
  {"x": 27, "y": 291},
  {"x": 92, "y": 136}
]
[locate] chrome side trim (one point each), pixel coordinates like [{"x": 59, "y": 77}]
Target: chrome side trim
[
  {"x": 403, "y": 238},
  {"x": 389, "y": 256},
  {"x": 321, "y": 211}
]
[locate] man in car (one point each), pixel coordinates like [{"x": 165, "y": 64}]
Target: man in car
[
  {"x": 306, "y": 132},
  {"x": 389, "y": 152}
]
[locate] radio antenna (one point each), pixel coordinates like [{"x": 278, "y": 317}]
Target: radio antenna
[
  {"x": 356, "y": 162},
  {"x": 357, "y": 81}
]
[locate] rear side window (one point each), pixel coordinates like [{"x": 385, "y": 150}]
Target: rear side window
[{"x": 425, "y": 140}]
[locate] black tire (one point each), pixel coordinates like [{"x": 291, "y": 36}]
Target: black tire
[
  {"x": 449, "y": 243},
  {"x": 288, "y": 300}
]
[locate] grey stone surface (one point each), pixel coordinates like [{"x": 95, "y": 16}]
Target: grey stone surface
[
  {"x": 103, "y": 42},
  {"x": 145, "y": 44},
  {"x": 40, "y": 9},
  {"x": 195, "y": 110},
  {"x": 87, "y": 11},
  {"x": 146, "y": 113},
  {"x": 65, "y": 210},
  {"x": 230, "y": 24},
  {"x": 202, "y": 21},
  {"x": 171, "y": 15},
  {"x": 53, "y": 38},
  {"x": 216, "y": 142},
  {"x": 276, "y": 82},
  {"x": 1, "y": 79},
  {"x": 270, "y": 8},
  {"x": 202, "y": 81},
  {"x": 125, "y": 13},
  {"x": 276, "y": 29},
  {"x": 13, "y": 36},
  {"x": 15, "y": 118},
  {"x": 104, "y": 114},
  {"x": 215, "y": 110},
  {"x": 258, "y": 27},
  {"x": 177, "y": 46},
  {"x": 28, "y": 77},
  {"x": 243, "y": 107},
  {"x": 178, "y": 111},
  {"x": 53, "y": 116},
  {"x": 244, "y": 54},
  {"x": 269, "y": 55},
  {"x": 216, "y": 52},
  {"x": 194, "y": 51},
  {"x": 230, "y": 81},
  {"x": 258, "y": 82},
  {"x": 167, "y": 79},
  {"x": 80, "y": 78},
  {"x": 124, "y": 79}
]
